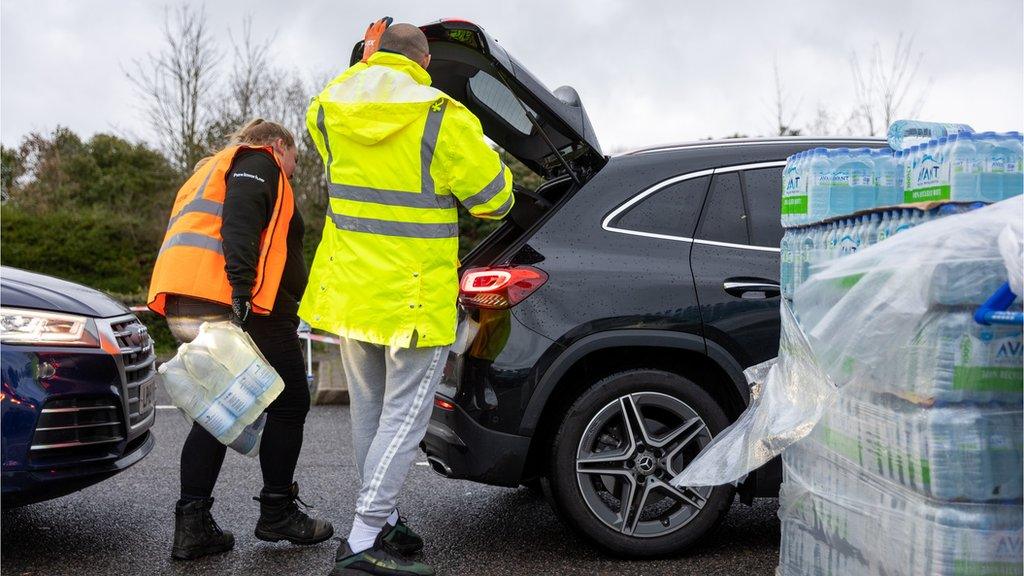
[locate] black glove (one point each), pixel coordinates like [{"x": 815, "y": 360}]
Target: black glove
[{"x": 240, "y": 310}]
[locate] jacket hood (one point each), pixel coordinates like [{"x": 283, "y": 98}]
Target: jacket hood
[{"x": 380, "y": 97}]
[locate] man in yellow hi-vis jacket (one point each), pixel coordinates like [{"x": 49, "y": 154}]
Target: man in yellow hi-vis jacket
[{"x": 398, "y": 155}]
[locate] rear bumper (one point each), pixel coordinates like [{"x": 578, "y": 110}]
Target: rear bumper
[
  {"x": 30, "y": 486},
  {"x": 458, "y": 447}
]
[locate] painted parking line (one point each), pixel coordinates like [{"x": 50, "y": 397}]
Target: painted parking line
[{"x": 162, "y": 407}]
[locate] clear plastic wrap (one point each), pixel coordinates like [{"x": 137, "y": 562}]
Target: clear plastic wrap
[
  {"x": 873, "y": 322},
  {"x": 841, "y": 521},
  {"x": 222, "y": 381}
]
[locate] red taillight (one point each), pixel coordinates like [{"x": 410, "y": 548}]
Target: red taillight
[
  {"x": 443, "y": 404},
  {"x": 499, "y": 287}
]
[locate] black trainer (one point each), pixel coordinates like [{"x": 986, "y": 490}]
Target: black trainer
[
  {"x": 379, "y": 560},
  {"x": 196, "y": 534},
  {"x": 281, "y": 519},
  {"x": 401, "y": 539}
]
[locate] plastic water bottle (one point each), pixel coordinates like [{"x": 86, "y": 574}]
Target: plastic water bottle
[
  {"x": 849, "y": 241},
  {"x": 903, "y": 222},
  {"x": 786, "y": 264},
  {"x": 905, "y": 133},
  {"x": 883, "y": 230},
  {"x": 953, "y": 359},
  {"x": 964, "y": 168},
  {"x": 221, "y": 381},
  {"x": 994, "y": 158},
  {"x": 819, "y": 168},
  {"x": 887, "y": 178},
  {"x": 930, "y": 176},
  {"x": 862, "y": 179},
  {"x": 794, "y": 193},
  {"x": 909, "y": 161},
  {"x": 841, "y": 201},
  {"x": 1013, "y": 183},
  {"x": 874, "y": 222},
  {"x": 831, "y": 244}
]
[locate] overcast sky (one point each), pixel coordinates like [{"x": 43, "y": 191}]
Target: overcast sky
[{"x": 648, "y": 72}]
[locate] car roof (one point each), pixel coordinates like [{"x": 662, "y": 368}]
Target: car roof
[{"x": 826, "y": 141}]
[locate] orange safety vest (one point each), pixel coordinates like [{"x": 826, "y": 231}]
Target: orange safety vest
[{"x": 191, "y": 261}]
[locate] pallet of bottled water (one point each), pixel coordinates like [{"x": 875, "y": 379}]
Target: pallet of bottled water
[
  {"x": 839, "y": 520},
  {"x": 838, "y": 201},
  {"x": 915, "y": 465}
]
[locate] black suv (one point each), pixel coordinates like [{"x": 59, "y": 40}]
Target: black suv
[{"x": 604, "y": 328}]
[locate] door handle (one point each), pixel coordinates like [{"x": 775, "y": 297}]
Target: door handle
[{"x": 751, "y": 288}]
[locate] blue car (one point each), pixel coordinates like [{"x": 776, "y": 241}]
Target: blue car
[{"x": 78, "y": 387}]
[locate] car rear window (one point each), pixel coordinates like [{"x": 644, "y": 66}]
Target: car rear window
[
  {"x": 672, "y": 211},
  {"x": 724, "y": 217},
  {"x": 763, "y": 191}
]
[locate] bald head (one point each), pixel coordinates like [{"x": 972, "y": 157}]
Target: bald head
[{"x": 407, "y": 40}]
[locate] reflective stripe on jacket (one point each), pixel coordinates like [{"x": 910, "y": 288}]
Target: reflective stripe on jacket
[
  {"x": 398, "y": 154},
  {"x": 191, "y": 261}
]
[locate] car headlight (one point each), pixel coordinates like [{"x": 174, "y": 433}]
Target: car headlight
[{"x": 52, "y": 328}]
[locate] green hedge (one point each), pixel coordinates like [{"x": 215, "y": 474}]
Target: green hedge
[{"x": 103, "y": 250}]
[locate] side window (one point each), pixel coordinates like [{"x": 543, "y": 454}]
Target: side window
[
  {"x": 762, "y": 188},
  {"x": 672, "y": 210},
  {"x": 724, "y": 218}
]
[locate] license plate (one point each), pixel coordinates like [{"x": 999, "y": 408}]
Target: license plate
[{"x": 147, "y": 396}]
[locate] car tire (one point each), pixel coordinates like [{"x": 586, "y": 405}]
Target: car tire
[{"x": 660, "y": 395}]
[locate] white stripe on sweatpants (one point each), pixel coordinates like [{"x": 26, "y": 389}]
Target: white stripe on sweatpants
[{"x": 399, "y": 438}]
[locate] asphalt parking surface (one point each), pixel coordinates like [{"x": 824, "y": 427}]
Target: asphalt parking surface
[{"x": 124, "y": 525}]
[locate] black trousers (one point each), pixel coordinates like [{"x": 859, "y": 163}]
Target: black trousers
[{"x": 275, "y": 336}]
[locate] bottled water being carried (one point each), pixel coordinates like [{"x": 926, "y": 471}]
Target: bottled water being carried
[
  {"x": 221, "y": 381},
  {"x": 906, "y": 133}
]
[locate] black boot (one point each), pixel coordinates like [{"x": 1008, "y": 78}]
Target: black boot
[
  {"x": 196, "y": 534},
  {"x": 281, "y": 519}
]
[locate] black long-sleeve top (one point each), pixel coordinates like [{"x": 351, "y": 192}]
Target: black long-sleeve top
[{"x": 248, "y": 205}]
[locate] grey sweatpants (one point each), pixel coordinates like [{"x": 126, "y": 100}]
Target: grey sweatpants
[{"x": 391, "y": 392}]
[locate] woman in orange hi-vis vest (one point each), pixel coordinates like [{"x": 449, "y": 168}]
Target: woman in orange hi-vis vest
[{"x": 233, "y": 250}]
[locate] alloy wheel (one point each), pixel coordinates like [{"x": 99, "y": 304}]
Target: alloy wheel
[{"x": 628, "y": 453}]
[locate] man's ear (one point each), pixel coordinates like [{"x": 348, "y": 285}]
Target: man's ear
[{"x": 426, "y": 61}]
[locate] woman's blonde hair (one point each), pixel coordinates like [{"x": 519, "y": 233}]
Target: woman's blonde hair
[{"x": 258, "y": 132}]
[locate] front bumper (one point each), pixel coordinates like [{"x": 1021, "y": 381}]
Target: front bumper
[
  {"x": 31, "y": 486},
  {"x": 73, "y": 416},
  {"x": 458, "y": 447}
]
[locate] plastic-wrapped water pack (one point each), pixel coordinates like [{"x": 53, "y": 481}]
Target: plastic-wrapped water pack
[
  {"x": 898, "y": 416},
  {"x": 839, "y": 521},
  {"x": 223, "y": 382},
  {"x": 854, "y": 323}
]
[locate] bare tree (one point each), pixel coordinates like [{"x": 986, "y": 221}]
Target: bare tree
[
  {"x": 886, "y": 86},
  {"x": 174, "y": 84},
  {"x": 783, "y": 110}
]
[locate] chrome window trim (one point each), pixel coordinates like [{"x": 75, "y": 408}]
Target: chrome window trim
[
  {"x": 721, "y": 144},
  {"x": 606, "y": 223}
]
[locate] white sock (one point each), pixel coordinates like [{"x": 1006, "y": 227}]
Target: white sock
[
  {"x": 393, "y": 519},
  {"x": 362, "y": 535}
]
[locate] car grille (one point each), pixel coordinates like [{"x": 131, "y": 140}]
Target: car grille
[
  {"x": 79, "y": 429},
  {"x": 139, "y": 366}
]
